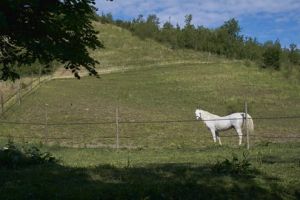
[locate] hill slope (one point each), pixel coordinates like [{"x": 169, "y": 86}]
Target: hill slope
[
  {"x": 154, "y": 83},
  {"x": 124, "y": 51}
]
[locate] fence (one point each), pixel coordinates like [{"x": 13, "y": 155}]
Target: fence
[
  {"x": 15, "y": 91},
  {"x": 139, "y": 134},
  {"x": 120, "y": 133}
]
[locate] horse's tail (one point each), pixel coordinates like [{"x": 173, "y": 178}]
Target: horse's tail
[{"x": 250, "y": 124}]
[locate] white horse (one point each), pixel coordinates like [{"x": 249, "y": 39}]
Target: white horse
[{"x": 216, "y": 123}]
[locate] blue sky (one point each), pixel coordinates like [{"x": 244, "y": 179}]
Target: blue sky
[{"x": 262, "y": 19}]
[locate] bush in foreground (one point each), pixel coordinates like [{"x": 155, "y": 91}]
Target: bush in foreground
[
  {"x": 235, "y": 166},
  {"x": 12, "y": 156}
]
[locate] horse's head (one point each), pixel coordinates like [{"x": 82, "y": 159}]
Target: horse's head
[{"x": 198, "y": 114}]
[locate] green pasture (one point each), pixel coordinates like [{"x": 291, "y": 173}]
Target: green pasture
[
  {"x": 164, "y": 153},
  {"x": 83, "y": 112},
  {"x": 157, "y": 174}
]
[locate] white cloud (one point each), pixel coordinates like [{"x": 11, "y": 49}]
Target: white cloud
[
  {"x": 264, "y": 19},
  {"x": 205, "y": 12}
]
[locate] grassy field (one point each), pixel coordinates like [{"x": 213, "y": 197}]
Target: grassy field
[
  {"x": 168, "y": 93},
  {"x": 158, "y": 174},
  {"x": 149, "y": 82}
]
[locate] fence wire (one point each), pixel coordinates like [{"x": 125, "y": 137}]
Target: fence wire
[
  {"x": 290, "y": 136},
  {"x": 143, "y": 122}
]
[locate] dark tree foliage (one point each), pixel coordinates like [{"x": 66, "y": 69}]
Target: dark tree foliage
[
  {"x": 232, "y": 28},
  {"x": 189, "y": 34},
  {"x": 46, "y": 30},
  {"x": 229, "y": 39},
  {"x": 106, "y": 18},
  {"x": 252, "y": 49},
  {"x": 293, "y": 54},
  {"x": 148, "y": 28},
  {"x": 168, "y": 35},
  {"x": 271, "y": 55}
]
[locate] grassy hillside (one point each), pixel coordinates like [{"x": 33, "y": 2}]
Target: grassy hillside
[
  {"x": 149, "y": 82},
  {"x": 124, "y": 50},
  {"x": 158, "y": 84}
]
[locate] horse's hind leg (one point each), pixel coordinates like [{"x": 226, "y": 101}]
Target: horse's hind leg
[
  {"x": 218, "y": 137},
  {"x": 240, "y": 134}
]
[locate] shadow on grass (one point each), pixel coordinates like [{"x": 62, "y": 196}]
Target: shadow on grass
[{"x": 163, "y": 181}]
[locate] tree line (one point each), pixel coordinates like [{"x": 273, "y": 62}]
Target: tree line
[{"x": 225, "y": 40}]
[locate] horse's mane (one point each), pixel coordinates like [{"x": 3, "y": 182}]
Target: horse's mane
[{"x": 208, "y": 113}]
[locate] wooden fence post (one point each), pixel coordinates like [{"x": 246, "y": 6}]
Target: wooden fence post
[
  {"x": 246, "y": 125},
  {"x": 40, "y": 74},
  {"x": 19, "y": 92},
  {"x": 117, "y": 127},
  {"x": 31, "y": 83},
  {"x": 2, "y": 104},
  {"x": 46, "y": 123}
]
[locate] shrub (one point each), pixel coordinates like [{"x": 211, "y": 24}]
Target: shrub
[
  {"x": 12, "y": 156},
  {"x": 271, "y": 56},
  {"x": 235, "y": 166}
]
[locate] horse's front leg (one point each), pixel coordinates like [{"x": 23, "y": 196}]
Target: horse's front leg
[{"x": 213, "y": 133}]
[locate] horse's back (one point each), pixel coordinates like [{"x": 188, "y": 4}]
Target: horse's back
[
  {"x": 238, "y": 115},
  {"x": 236, "y": 119}
]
